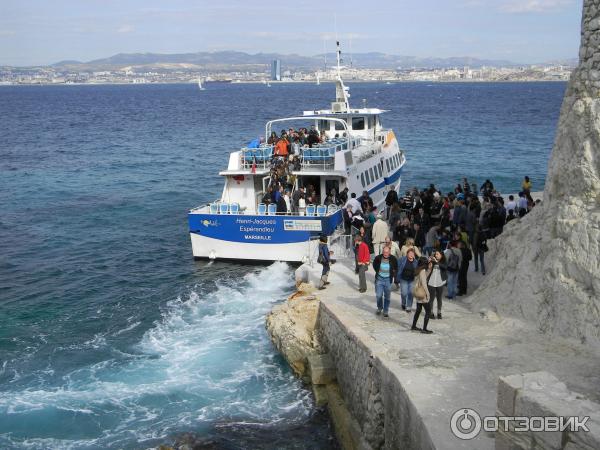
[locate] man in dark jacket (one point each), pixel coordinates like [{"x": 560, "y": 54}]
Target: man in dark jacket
[
  {"x": 325, "y": 259},
  {"x": 464, "y": 268},
  {"x": 385, "y": 266},
  {"x": 390, "y": 199}
]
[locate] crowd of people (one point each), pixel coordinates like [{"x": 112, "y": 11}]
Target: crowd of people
[
  {"x": 289, "y": 142},
  {"x": 425, "y": 241},
  {"x": 285, "y": 162}
]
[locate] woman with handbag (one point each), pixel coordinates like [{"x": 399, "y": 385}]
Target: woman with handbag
[
  {"x": 421, "y": 294},
  {"x": 436, "y": 280}
]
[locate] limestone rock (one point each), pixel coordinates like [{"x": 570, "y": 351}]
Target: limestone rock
[
  {"x": 546, "y": 268},
  {"x": 291, "y": 326}
]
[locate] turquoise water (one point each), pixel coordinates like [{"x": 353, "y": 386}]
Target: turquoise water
[{"x": 111, "y": 335}]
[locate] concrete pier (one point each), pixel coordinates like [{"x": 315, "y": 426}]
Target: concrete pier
[{"x": 403, "y": 387}]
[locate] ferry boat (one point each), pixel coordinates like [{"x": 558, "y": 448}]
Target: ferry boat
[{"x": 358, "y": 153}]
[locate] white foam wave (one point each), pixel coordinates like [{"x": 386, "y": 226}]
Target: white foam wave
[{"x": 207, "y": 359}]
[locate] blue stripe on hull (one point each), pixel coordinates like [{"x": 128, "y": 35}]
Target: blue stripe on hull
[
  {"x": 259, "y": 229},
  {"x": 387, "y": 181}
]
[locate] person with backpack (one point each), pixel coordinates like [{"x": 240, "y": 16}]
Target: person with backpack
[
  {"x": 385, "y": 266},
  {"x": 437, "y": 277},
  {"x": 324, "y": 259},
  {"x": 422, "y": 295},
  {"x": 454, "y": 259}
]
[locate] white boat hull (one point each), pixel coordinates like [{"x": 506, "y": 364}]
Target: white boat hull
[{"x": 208, "y": 248}]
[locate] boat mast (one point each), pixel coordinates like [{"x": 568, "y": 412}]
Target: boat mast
[{"x": 341, "y": 91}]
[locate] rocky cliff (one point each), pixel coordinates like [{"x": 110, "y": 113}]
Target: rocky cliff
[{"x": 547, "y": 267}]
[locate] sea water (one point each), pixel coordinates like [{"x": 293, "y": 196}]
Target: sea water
[{"x": 111, "y": 335}]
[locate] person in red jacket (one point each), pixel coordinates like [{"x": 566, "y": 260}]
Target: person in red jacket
[{"x": 364, "y": 259}]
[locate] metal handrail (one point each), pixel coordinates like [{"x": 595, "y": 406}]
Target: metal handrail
[{"x": 304, "y": 118}]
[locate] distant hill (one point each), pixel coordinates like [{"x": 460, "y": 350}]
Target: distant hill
[{"x": 232, "y": 60}]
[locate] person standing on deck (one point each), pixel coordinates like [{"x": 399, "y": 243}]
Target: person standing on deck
[
  {"x": 385, "y": 266},
  {"x": 298, "y": 193},
  {"x": 363, "y": 259},
  {"x": 379, "y": 233},
  {"x": 354, "y": 203}
]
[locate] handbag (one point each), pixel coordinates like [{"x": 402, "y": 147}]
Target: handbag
[{"x": 418, "y": 290}]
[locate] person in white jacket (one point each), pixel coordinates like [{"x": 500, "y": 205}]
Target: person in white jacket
[
  {"x": 394, "y": 249},
  {"x": 381, "y": 230}
]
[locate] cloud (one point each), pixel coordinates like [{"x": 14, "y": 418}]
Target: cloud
[
  {"x": 528, "y": 6},
  {"x": 125, "y": 29},
  {"x": 7, "y": 33}
]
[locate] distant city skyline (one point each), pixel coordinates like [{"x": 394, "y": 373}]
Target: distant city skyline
[{"x": 521, "y": 31}]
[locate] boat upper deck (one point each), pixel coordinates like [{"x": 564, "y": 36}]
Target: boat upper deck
[{"x": 320, "y": 157}]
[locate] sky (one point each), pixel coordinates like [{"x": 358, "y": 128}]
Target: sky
[{"x": 34, "y": 32}]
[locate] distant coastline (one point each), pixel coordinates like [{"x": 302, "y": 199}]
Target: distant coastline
[{"x": 275, "y": 83}]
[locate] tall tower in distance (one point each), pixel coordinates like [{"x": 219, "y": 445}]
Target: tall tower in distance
[{"x": 276, "y": 70}]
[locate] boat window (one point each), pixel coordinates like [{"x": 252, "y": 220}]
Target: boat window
[
  {"x": 324, "y": 125},
  {"x": 377, "y": 171},
  {"x": 340, "y": 125},
  {"x": 362, "y": 179},
  {"x": 358, "y": 123},
  {"x": 371, "y": 121},
  {"x": 387, "y": 164},
  {"x": 371, "y": 172},
  {"x": 367, "y": 177}
]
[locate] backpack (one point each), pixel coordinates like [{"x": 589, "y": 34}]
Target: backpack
[
  {"x": 320, "y": 258},
  {"x": 452, "y": 262}
]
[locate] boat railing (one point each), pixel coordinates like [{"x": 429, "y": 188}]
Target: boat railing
[
  {"x": 263, "y": 209},
  {"x": 322, "y": 156},
  {"x": 260, "y": 157},
  {"x": 342, "y": 246}
]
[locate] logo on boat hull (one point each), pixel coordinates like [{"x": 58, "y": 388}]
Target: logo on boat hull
[{"x": 210, "y": 223}]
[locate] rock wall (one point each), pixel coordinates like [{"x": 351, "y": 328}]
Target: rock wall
[
  {"x": 546, "y": 268},
  {"x": 371, "y": 391}
]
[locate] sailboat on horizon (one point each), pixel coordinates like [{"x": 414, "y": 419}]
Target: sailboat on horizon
[{"x": 200, "y": 84}]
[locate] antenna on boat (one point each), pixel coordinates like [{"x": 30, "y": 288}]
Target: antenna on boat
[{"x": 342, "y": 95}]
